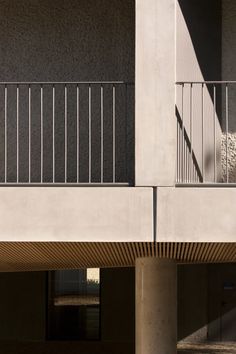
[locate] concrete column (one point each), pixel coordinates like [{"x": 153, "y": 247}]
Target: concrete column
[
  {"x": 156, "y": 306},
  {"x": 155, "y": 123}
]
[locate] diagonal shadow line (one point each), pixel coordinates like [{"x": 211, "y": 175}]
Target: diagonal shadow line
[{"x": 188, "y": 142}]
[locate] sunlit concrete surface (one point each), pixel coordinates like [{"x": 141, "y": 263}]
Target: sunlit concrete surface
[{"x": 207, "y": 348}]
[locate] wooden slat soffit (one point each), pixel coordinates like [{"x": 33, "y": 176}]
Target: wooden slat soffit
[{"x": 33, "y": 256}]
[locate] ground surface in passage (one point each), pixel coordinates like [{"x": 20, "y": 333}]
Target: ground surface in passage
[{"x": 213, "y": 348}]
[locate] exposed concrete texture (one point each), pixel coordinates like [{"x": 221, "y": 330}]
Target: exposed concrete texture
[
  {"x": 76, "y": 214},
  {"x": 156, "y": 306},
  {"x": 183, "y": 214},
  {"x": 155, "y": 126}
]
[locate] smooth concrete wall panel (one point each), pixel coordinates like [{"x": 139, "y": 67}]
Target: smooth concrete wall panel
[
  {"x": 198, "y": 40},
  {"x": 76, "y": 214},
  {"x": 155, "y": 136},
  {"x": 196, "y": 214}
]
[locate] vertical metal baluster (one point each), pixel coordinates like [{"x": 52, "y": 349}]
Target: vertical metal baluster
[
  {"x": 53, "y": 134},
  {"x": 203, "y": 141},
  {"x": 5, "y": 118},
  {"x": 214, "y": 125},
  {"x": 182, "y": 153},
  {"x": 114, "y": 133},
  {"x": 177, "y": 167},
  {"x": 77, "y": 109},
  {"x": 17, "y": 133},
  {"x": 29, "y": 134},
  {"x": 90, "y": 138},
  {"x": 102, "y": 138},
  {"x": 66, "y": 134},
  {"x": 191, "y": 133},
  {"x": 41, "y": 128},
  {"x": 227, "y": 129}
]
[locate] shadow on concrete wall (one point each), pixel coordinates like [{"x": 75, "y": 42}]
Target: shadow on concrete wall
[{"x": 207, "y": 302}]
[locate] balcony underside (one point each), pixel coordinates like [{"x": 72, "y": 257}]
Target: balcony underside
[{"x": 34, "y": 256}]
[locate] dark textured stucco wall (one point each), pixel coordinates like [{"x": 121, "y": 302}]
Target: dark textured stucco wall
[
  {"x": 43, "y": 40},
  {"x": 85, "y": 40}
]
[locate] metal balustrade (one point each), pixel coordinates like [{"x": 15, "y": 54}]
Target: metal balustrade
[
  {"x": 66, "y": 133},
  {"x": 206, "y": 132}
]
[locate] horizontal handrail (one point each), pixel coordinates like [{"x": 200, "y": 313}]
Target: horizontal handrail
[
  {"x": 66, "y": 83},
  {"x": 204, "y": 82}
]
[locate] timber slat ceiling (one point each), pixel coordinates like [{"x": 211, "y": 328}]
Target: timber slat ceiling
[{"x": 32, "y": 256}]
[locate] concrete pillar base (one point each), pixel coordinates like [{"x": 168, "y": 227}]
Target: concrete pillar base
[{"x": 156, "y": 306}]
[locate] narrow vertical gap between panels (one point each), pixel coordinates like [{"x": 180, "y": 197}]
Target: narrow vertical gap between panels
[
  {"x": 114, "y": 132},
  {"x": 5, "y": 123},
  {"x": 29, "y": 134},
  {"x": 78, "y": 129},
  {"x": 102, "y": 133},
  {"x": 53, "y": 134},
  {"x": 17, "y": 133},
  {"x": 66, "y": 135},
  {"x": 90, "y": 133},
  {"x": 41, "y": 137}
]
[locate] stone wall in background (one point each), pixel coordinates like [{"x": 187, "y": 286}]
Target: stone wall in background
[{"x": 231, "y": 159}]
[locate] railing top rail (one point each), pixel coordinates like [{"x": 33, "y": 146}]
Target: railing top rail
[
  {"x": 65, "y": 83},
  {"x": 204, "y": 82}
]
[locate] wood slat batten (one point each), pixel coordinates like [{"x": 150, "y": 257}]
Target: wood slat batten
[{"x": 27, "y": 256}]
